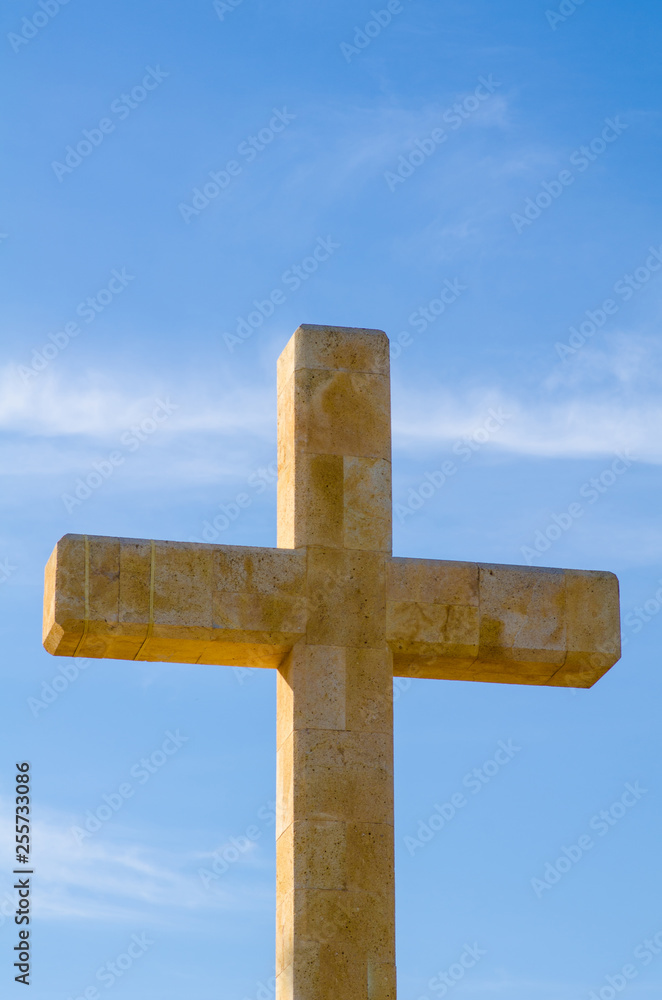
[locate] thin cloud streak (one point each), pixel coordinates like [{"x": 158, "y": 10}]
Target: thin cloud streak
[
  {"x": 120, "y": 880},
  {"x": 606, "y": 400}
]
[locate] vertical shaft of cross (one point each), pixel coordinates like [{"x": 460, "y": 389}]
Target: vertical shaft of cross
[{"x": 335, "y": 896}]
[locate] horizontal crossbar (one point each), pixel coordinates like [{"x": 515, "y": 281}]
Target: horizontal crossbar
[{"x": 137, "y": 599}]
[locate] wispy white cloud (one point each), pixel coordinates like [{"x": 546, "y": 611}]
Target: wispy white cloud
[
  {"x": 123, "y": 877},
  {"x": 629, "y": 362},
  {"x": 567, "y": 430},
  {"x": 605, "y": 400},
  {"x": 96, "y": 407}
]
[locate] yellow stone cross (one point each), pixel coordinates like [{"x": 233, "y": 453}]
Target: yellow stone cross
[{"x": 338, "y": 617}]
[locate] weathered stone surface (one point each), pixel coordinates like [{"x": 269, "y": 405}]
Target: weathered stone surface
[
  {"x": 173, "y": 601},
  {"x": 334, "y": 440},
  {"x": 504, "y": 624},
  {"x": 338, "y": 616}
]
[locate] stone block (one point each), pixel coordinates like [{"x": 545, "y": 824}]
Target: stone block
[
  {"x": 346, "y": 598},
  {"x": 433, "y": 581},
  {"x": 335, "y": 348},
  {"x": 343, "y": 413},
  {"x": 366, "y": 504}
]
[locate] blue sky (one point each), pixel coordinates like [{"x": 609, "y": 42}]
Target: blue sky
[{"x": 484, "y": 180}]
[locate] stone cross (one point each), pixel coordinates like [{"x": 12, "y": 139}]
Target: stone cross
[{"x": 337, "y": 616}]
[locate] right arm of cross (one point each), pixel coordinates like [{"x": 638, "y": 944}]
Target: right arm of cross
[
  {"x": 128, "y": 599},
  {"x": 503, "y": 624}
]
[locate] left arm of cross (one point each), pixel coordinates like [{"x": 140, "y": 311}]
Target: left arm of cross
[
  {"x": 505, "y": 624},
  {"x": 128, "y": 599}
]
